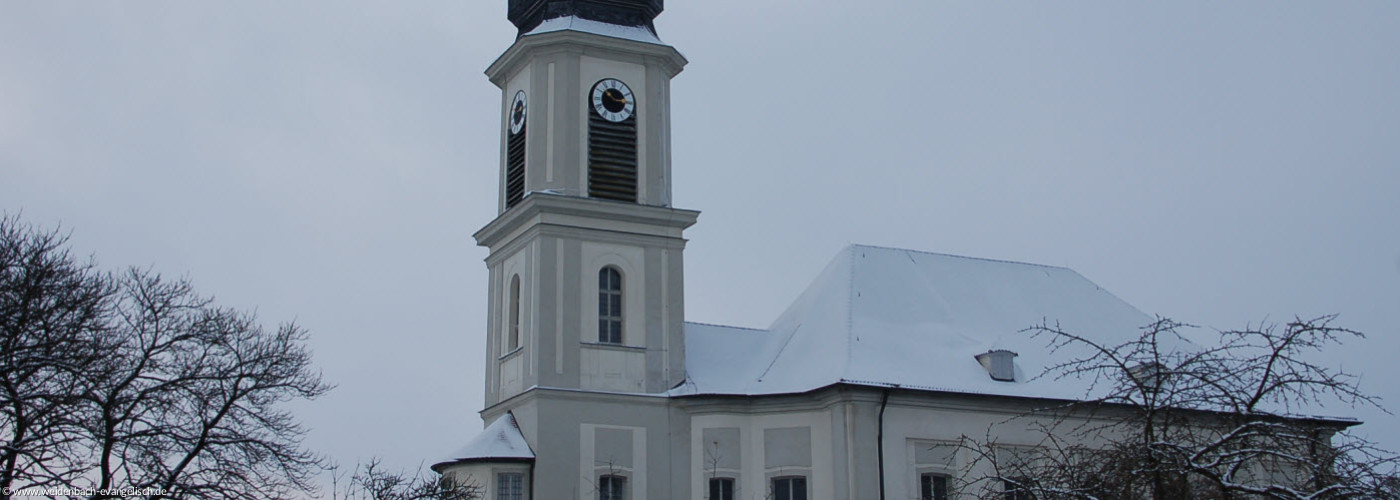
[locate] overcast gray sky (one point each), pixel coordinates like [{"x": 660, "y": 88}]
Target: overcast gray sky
[{"x": 327, "y": 162}]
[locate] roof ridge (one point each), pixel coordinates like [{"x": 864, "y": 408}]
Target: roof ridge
[
  {"x": 984, "y": 259},
  {"x": 850, "y": 311},
  {"x": 1114, "y": 296},
  {"x": 797, "y": 327},
  {"x": 727, "y": 326}
]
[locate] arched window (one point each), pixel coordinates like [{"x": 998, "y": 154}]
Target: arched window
[
  {"x": 513, "y": 331},
  {"x": 609, "y": 306}
]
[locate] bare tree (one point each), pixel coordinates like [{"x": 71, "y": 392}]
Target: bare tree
[
  {"x": 137, "y": 382},
  {"x": 189, "y": 393},
  {"x": 370, "y": 481},
  {"x": 52, "y": 308},
  {"x": 1169, "y": 419}
]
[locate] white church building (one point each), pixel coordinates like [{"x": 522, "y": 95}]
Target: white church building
[{"x": 598, "y": 388}]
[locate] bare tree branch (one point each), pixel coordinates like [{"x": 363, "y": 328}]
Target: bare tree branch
[
  {"x": 51, "y": 316},
  {"x": 369, "y": 481},
  {"x": 1169, "y": 419},
  {"x": 136, "y": 381}
]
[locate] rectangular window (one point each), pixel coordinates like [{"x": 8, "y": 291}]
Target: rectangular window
[
  {"x": 721, "y": 488},
  {"x": 933, "y": 487},
  {"x": 510, "y": 486},
  {"x": 790, "y": 488},
  {"x": 612, "y": 488}
]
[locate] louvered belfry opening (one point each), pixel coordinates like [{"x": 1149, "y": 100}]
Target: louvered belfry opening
[
  {"x": 612, "y": 158},
  {"x": 515, "y": 167}
]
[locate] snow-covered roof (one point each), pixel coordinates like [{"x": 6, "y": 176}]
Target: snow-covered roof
[
  {"x": 500, "y": 441},
  {"x": 889, "y": 317},
  {"x": 573, "y": 23}
]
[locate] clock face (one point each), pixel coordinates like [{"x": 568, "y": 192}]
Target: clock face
[
  {"x": 613, "y": 100},
  {"x": 517, "y": 113}
]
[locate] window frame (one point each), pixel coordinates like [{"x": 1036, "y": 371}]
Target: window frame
[
  {"x": 611, "y": 323},
  {"x": 513, "y": 320},
  {"x": 519, "y": 490},
  {"x": 793, "y": 493},
  {"x": 719, "y": 481},
  {"x": 932, "y": 493},
  {"x": 617, "y": 483}
]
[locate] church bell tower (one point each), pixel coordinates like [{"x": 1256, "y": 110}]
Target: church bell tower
[
  {"x": 586, "y": 311},
  {"x": 586, "y": 290}
]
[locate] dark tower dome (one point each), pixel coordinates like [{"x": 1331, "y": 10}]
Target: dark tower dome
[{"x": 527, "y": 14}]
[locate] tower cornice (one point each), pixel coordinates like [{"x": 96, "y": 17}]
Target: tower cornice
[
  {"x": 585, "y": 213},
  {"x": 665, "y": 57}
]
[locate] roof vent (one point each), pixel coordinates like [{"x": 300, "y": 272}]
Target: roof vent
[
  {"x": 1150, "y": 375},
  {"x": 999, "y": 364}
]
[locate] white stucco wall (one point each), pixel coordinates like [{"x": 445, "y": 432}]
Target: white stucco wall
[
  {"x": 594, "y": 464},
  {"x": 753, "y": 476}
]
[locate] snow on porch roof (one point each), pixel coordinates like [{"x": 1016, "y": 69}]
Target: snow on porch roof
[
  {"x": 889, "y": 317},
  {"x": 499, "y": 442}
]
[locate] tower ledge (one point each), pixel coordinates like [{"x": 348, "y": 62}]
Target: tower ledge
[
  {"x": 541, "y": 208},
  {"x": 665, "y": 57}
]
